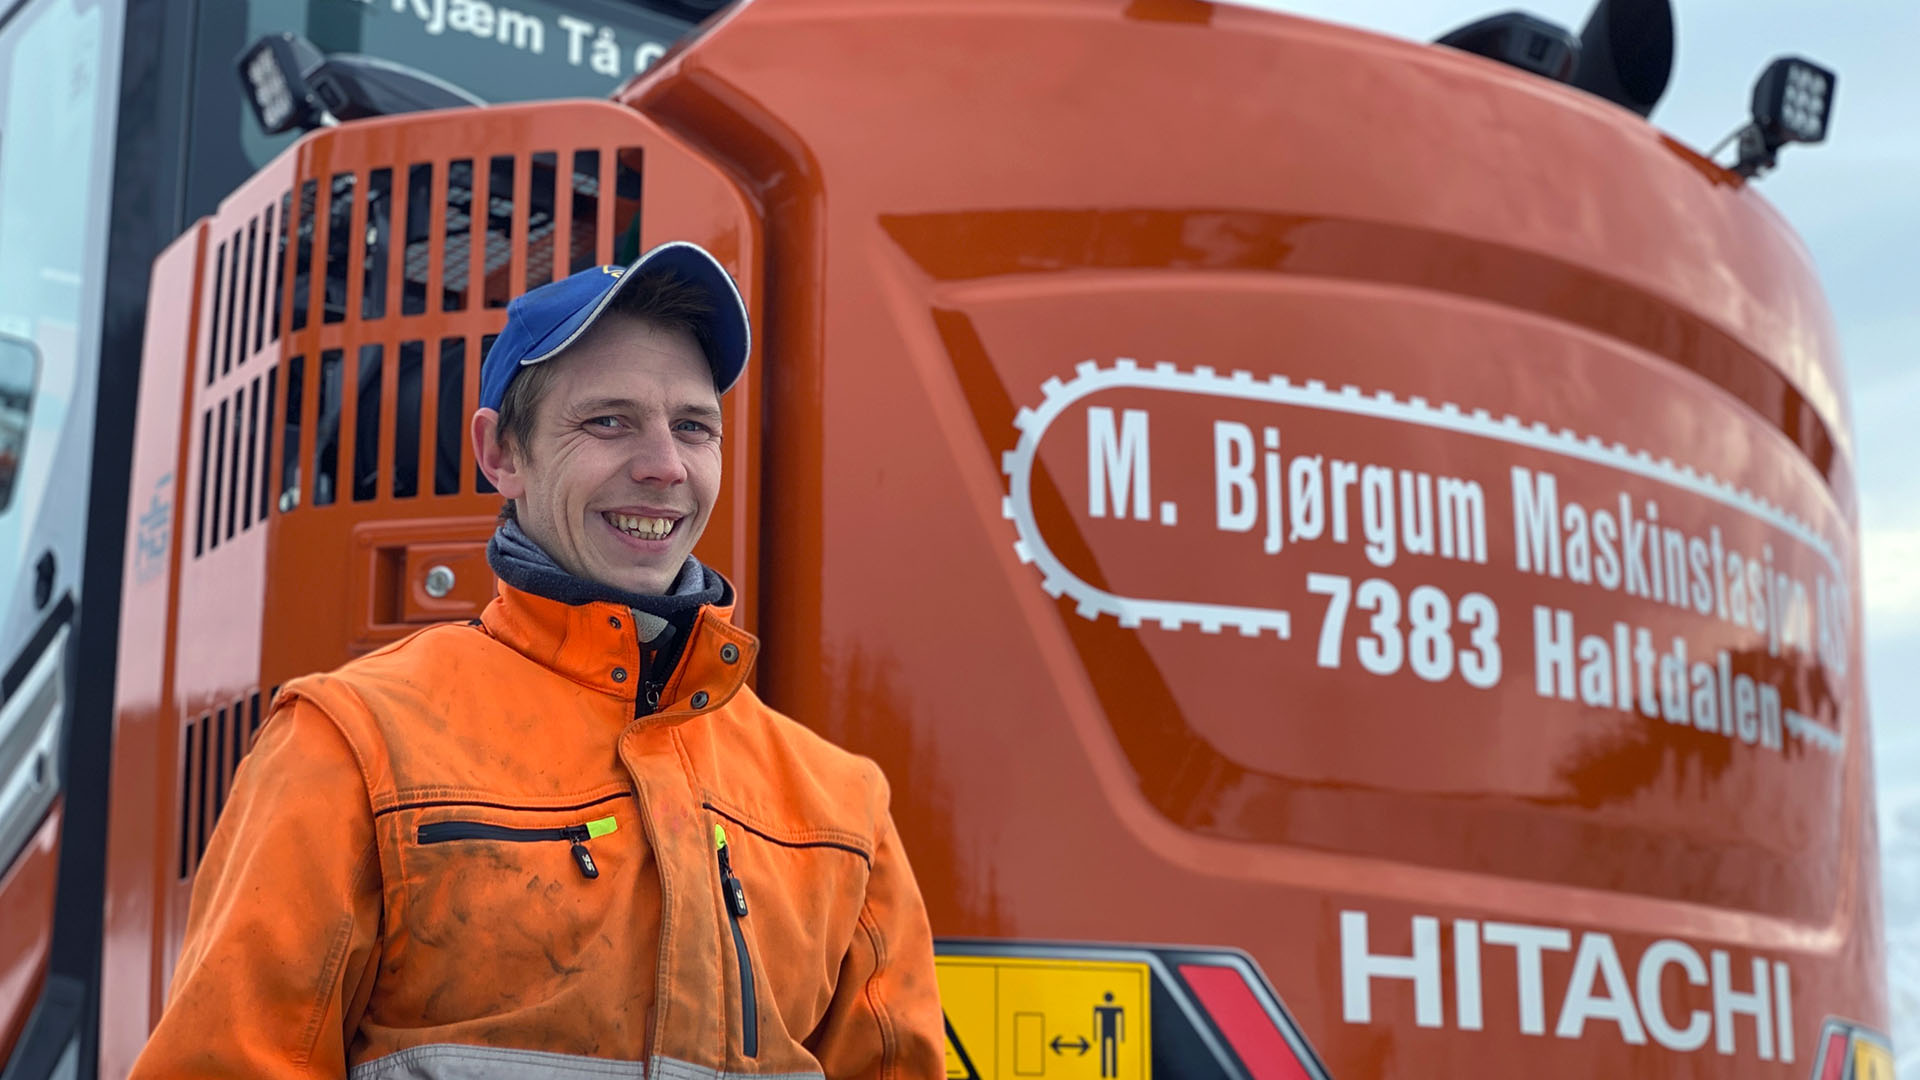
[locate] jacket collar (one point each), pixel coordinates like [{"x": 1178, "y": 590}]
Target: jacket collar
[{"x": 596, "y": 645}]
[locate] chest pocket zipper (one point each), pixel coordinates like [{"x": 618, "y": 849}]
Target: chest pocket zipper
[
  {"x": 441, "y": 832},
  {"x": 734, "y": 895}
]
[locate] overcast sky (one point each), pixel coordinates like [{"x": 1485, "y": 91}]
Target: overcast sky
[{"x": 1856, "y": 201}]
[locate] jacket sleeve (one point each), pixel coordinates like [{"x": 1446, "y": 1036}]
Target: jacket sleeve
[
  {"x": 282, "y": 931},
  {"x": 884, "y": 1021}
]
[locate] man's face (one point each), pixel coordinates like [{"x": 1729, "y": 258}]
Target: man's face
[{"x": 623, "y": 466}]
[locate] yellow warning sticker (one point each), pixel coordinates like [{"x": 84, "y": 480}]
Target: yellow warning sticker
[
  {"x": 1871, "y": 1060},
  {"x": 1014, "y": 1017}
]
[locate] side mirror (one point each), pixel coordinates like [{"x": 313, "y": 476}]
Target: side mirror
[
  {"x": 1626, "y": 53},
  {"x": 19, "y": 375}
]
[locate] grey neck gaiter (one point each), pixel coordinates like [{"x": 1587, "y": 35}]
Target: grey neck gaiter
[{"x": 525, "y": 565}]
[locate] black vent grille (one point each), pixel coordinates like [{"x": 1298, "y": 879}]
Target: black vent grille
[
  {"x": 234, "y": 461},
  {"x": 247, "y": 267},
  {"x": 215, "y": 743},
  {"x": 369, "y": 384}
]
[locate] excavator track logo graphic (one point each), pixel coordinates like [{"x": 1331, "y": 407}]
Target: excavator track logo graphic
[{"x": 1090, "y": 378}]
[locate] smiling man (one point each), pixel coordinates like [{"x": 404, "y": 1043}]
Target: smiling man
[
  {"x": 566, "y": 840},
  {"x": 616, "y": 476}
]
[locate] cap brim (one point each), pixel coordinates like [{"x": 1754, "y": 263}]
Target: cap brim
[{"x": 729, "y": 336}]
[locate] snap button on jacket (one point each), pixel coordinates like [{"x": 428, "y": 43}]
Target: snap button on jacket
[{"x": 465, "y": 855}]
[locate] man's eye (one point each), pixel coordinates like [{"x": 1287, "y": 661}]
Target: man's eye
[
  {"x": 604, "y": 422},
  {"x": 694, "y": 427}
]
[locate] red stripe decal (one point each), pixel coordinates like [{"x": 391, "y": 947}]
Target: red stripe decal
[
  {"x": 1228, "y": 999},
  {"x": 1835, "y": 1065}
]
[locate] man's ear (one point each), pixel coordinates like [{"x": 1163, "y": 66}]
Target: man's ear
[{"x": 498, "y": 462}]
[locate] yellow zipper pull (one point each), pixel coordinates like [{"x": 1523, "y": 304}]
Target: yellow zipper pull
[{"x": 730, "y": 887}]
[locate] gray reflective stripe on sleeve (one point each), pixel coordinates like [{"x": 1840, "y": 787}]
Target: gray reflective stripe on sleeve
[
  {"x": 666, "y": 1068},
  {"x": 457, "y": 1061}
]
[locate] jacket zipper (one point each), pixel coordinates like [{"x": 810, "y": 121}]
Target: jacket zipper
[
  {"x": 647, "y": 699},
  {"x": 735, "y": 896},
  {"x": 440, "y": 832}
]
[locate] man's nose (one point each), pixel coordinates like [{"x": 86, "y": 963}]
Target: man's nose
[{"x": 656, "y": 456}]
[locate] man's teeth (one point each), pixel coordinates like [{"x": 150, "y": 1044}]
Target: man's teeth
[{"x": 644, "y": 528}]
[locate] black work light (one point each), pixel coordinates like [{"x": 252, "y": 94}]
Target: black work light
[
  {"x": 274, "y": 73},
  {"x": 1792, "y": 102},
  {"x": 293, "y": 85}
]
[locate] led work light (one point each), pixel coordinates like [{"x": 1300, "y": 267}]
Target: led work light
[
  {"x": 1792, "y": 102},
  {"x": 294, "y": 86},
  {"x": 273, "y": 72}
]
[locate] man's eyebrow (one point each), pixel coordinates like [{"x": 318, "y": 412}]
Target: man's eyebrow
[
  {"x": 606, "y": 404},
  {"x": 698, "y": 410}
]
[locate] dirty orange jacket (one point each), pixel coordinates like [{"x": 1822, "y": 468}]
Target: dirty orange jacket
[{"x": 465, "y": 856}]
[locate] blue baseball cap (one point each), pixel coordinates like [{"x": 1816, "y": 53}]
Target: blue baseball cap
[{"x": 543, "y": 322}]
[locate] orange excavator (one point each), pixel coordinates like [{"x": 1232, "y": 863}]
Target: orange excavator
[{"x": 1346, "y": 548}]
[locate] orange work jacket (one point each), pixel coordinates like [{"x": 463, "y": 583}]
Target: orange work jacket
[{"x": 465, "y": 856}]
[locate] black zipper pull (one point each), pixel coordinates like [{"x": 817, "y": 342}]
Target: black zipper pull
[
  {"x": 736, "y": 893},
  {"x": 580, "y": 834},
  {"x": 646, "y": 697},
  {"x": 581, "y": 856}
]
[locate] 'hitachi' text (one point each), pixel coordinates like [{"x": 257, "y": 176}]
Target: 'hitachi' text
[{"x": 1749, "y": 1000}]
